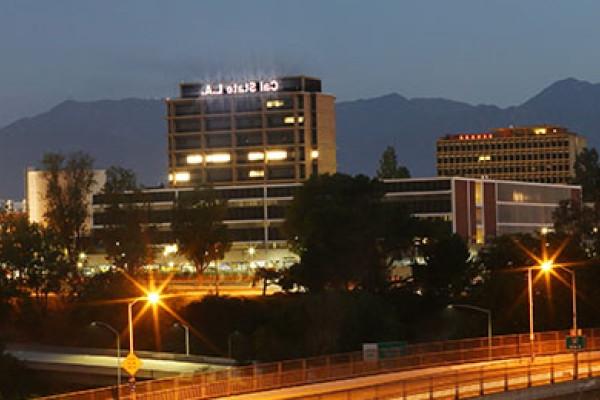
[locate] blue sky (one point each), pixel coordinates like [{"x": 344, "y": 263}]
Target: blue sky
[{"x": 492, "y": 51}]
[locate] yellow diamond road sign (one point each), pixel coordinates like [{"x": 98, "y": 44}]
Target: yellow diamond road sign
[{"x": 131, "y": 364}]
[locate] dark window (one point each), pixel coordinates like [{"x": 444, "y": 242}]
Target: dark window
[
  {"x": 280, "y": 137},
  {"x": 218, "y": 124},
  {"x": 187, "y": 125},
  {"x": 285, "y": 191},
  {"x": 246, "y": 234},
  {"x": 248, "y": 104},
  {"x": 218, "y": 140},
  {"x": 217, "y": 106},
  {"x": 418, "y": 186},
  {"x": 249, "y": 139},
  {"x": 188, "y": 142},
  {"x": 248, "y": 122},
  {"x": 286, "y": 172},
  {"x": 276, "y": 212},
  {"x": 188, "y": 108},
  {"x": 219, "y": 175},
  {"x": 241, "y": 213}
]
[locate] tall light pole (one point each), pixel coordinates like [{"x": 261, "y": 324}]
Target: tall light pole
[
  {"x": 530, "y": 292},
  {"x": 489, "y": 321},
  {"x": 152, "y": 298},
  {"x": 114, "y": 331},
  {"x": 547, "y": 266},
  {"x": 186, "y": 329}
]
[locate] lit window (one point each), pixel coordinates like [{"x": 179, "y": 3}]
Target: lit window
[
  {"x": 540, "y": 131},
  {"x": 182, "y": 177},
  {"x": 194, "y": 159},
  {"x": 256, "y": 156},
  {"x": 485, "y": 158},
  {"x": 275, "y": 103},
  {"x": 218, "y": 158},
  {"x": 314, "y": 154},
  {"x": 170, "y": 177},
  {"x": 292, "y": 120},
  {"x": 255, "y": 173},
  {"x": 276, "y": 155}
]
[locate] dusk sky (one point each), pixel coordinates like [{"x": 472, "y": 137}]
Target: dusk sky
[{"x": 498, "y": 52}]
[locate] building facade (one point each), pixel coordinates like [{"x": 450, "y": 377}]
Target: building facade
[
  {"x": 475, "y": 209},
  {"x": 532, "y": 154},
  {"x": 35, "y": 196},
  {"x": 255, "y": 216},
  {"x": 255, "y": 132},
  {"x": 479, "y": 209}
]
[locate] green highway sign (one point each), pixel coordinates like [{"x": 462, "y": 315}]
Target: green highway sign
[
  {"x": 575, "y": 342},
  {"x": 391, "y": 349}
]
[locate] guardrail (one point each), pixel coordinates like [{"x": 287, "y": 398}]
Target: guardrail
[
  {"x": 473, "y": 382},
  {"x": 261, "y": 377}
]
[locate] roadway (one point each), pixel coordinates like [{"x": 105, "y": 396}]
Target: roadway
[
  {"x": 439, "y": 382},
  {"x": 102, "y": 364}
]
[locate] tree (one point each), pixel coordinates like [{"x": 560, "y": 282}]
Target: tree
[
  {"x": 267, "y": 276},
  {"x": 69, "y": 181},
  {"x": 119, "y": 180},
  {"x": 343, "y": 233},
  {"x": 127, "y": 235},
  {"x": 587, "y": 174},
  {"x": 32, "y": 256},
  {"x": 388, "y": 166},
  {"x": 448, "y": 272},
  {"x": 198, "y": 227}
]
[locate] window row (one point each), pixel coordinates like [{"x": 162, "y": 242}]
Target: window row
[
  {"x": 258, "y": 173},
  {"x": 505, "y": 169},
  {"x": 502, "y": 146},
  {"x": 238, "y": 122},
  {"x": 240, "y": 139},
  {"x": 239, "y": 104},
  {"x": 505, "y": 157}
]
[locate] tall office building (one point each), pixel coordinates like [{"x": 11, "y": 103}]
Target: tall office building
[
  {"x": 533, "y": 154},
  {"x": 279, "y": 130}
]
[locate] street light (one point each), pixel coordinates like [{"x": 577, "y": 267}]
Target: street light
[
  {"x": 114, "y": 331},
  {"x": 547, "y": 266},
  {"x": 489, "y": 321},
  {"x": 152, "y": 298},
  {"x": 186, "y": 329}
]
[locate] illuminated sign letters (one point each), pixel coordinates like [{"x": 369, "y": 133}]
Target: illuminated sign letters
[{"x": 239, "y": 88}]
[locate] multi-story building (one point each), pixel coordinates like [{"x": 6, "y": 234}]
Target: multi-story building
[
  {"x": 35, "y": 195},
  {"x": 255, "y": 215},
  {"x": 478, "y": 209},
  {"x": 275, "y": 130},
  {"x": 475, "y": 209},
  {"x": 532, "y": 154}
]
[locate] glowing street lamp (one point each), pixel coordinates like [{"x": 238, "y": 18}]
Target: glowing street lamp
[
  {"x": 152, "y": 298},
  {"x": 545, "y": 266}
]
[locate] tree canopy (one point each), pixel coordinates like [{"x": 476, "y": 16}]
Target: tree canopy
[
  {"x": 344, "y": 233},
  {"x": 198, "y": 227},
  {"x": 69, "y": 180},
  {"x": 388, "y": 165}
]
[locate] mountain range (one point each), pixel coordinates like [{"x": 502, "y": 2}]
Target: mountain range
[{"x": 132, "y": 132}]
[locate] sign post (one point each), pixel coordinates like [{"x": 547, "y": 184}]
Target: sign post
[
  {"x": 131, "y": 364},
  {"x": 575, "y": 343}
]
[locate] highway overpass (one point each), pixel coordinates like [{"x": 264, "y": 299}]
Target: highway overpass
[{"x": 453, "y": 369}]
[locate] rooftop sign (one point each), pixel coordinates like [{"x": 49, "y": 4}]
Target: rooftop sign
[{"x": 239, "y": 88}]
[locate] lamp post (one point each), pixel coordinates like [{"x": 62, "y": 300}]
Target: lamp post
[
  {"x": 489, "y": 321},
  {"x": 114, "y": 331},
  {"x": 152, "y": 298},
  {"x": 186, "y": 329},
  {"x": 547, "y": 266}
]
